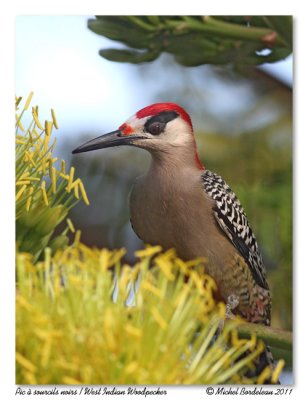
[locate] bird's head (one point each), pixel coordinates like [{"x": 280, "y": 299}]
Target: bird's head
[{"x": 158, "y": 128}]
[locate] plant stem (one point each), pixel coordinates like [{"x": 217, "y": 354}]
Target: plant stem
[
  {"x": 272, "y": 336},
  {"x": 230, "y": 30}
]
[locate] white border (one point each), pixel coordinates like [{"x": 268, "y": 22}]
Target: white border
[{"x": 172, "y": 7}]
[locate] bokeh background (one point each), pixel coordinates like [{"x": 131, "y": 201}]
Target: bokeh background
[{"x": 242, "y": 120}]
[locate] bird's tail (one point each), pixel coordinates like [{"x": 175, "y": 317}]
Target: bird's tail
[{"x": 265, "y": 369}]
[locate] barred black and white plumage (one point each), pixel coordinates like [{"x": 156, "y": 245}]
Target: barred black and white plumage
[{"x": 232, "y": 219}]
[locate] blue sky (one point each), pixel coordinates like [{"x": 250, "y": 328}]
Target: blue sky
[{"x": 57, "y": 58}]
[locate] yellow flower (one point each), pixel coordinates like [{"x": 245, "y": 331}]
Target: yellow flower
[
  {"x": 148, "y": 251},
  {"x": 25, "y": 363},
  {"x": 159, "y": 318}
]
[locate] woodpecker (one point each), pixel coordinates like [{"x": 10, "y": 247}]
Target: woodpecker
[{"x": 180, "y": 204}]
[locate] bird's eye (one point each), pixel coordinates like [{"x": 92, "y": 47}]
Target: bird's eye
[{"x": 156, "y": 128}]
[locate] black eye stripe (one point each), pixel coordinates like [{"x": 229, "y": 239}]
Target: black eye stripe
[{"x": 161, "y": 119}]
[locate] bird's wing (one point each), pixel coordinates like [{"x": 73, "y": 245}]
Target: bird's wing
[{"x": 233, "y": 221}]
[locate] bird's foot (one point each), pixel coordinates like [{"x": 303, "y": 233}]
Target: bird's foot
[{"x": 232, "y": 303}]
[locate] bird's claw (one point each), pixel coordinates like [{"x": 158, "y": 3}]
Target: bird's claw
[{"x": 232, "y": 303}]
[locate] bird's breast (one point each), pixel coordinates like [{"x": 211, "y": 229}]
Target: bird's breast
[
  {"x": 173, "y": 214},
  {"x": 152, "y": 214}
]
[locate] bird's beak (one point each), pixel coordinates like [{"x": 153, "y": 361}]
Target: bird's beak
[{"x": 112, "y": 139}]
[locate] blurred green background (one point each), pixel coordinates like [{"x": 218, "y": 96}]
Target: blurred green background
[{"x": 242, "y": 116}]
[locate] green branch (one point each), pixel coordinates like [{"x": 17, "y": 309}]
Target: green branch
[
  {"x": 271, "y": 336},
  {"x": 231, "y": 30},
  {"x": 196, "y": 40}
]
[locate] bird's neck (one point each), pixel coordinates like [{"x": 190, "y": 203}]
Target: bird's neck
[{"x": 177, "y": 159}]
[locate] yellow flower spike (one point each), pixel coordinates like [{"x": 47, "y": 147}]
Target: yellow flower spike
[
  {"x": 108, "y": 330},
  {"x": 76, "y": 281},
  {"x": 54, "y": 120},
  {"x": 221, "y": 308},
  {"x": 135, "y": 272},
  {"x": 124, "y": 278},
  {"x": 277, "y": 371},
  {"x": 41, "y": 334},
  {"x": 84, "y": 194},
  {"x": 25, "y": 363},
  {"x": 166, "y": 268},
  {"x": 19, "y": 141},
  {"x": 75, "y": 183},
  {"x": 45, "y": 352},
  {"x": 104, "y": 260},
  {"x": 133, "y": 331},
  {"x": 64, "y": 176},
  {"x": 17, "y": 101},
  {"x": 47, "y": 260},
  {"x": 182, "y": 266},
  {"x": 30, "y": 378},
  {"x": 35, "y": 117},
  {"x": 43, "y": 167},
  {"x": 25, "y": 175},
  {"x": 86, "y": 373},
  {"x": 48, "y": 128},
  {"x": 28, "y": 101},
  {"x": 19, "y": 124},
  {"x": 77, "y": 238},
  {"x": 19, "y": 183},
  {"x": 32, "y": 178},
  {"x": 68, "y": 380},
  {"x": 37, "y": 148},
  {"x": 49, "y": 166},
  {"x": 253, "y": 340},
  {"x": 70, "y": 225},
  {"x": 198, "y": 282},
  {"x": 44, "y": 193},
  {"x": 265, "y": 374},
  {"x": 159, "y": 318},
  {"x": 146, "y": 285},
  {"x": 131, "y": 368},
  {"x": 29, "y": 157},
  {"x": 210, "y": 282},
  {"x": 29, "y": 200},
  {"x": 76, "y": 192},
  {"x": 70, "y": 179},
  {"x": 149, "y": 251},
  {"x": 181, "y": 297},
  {"x": 260, "y": 347},
  {"x": 236, "y": 342},
  {"x": 45, "y": 145},
  {"x": 75, "y": 186},
  {"x": 53, "y": 180},
  {"x": 169, "y": 254},
  {"x": 20, "y": 192},
  {"x": 67, "y": 365},
  {"x": 31, "y": 139},
  {"x": 63, "y": 167},
  {"x": 23, "y": 302},
  {"x": 116, "y": 256},
  {"x": 58, "y": 286}
]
